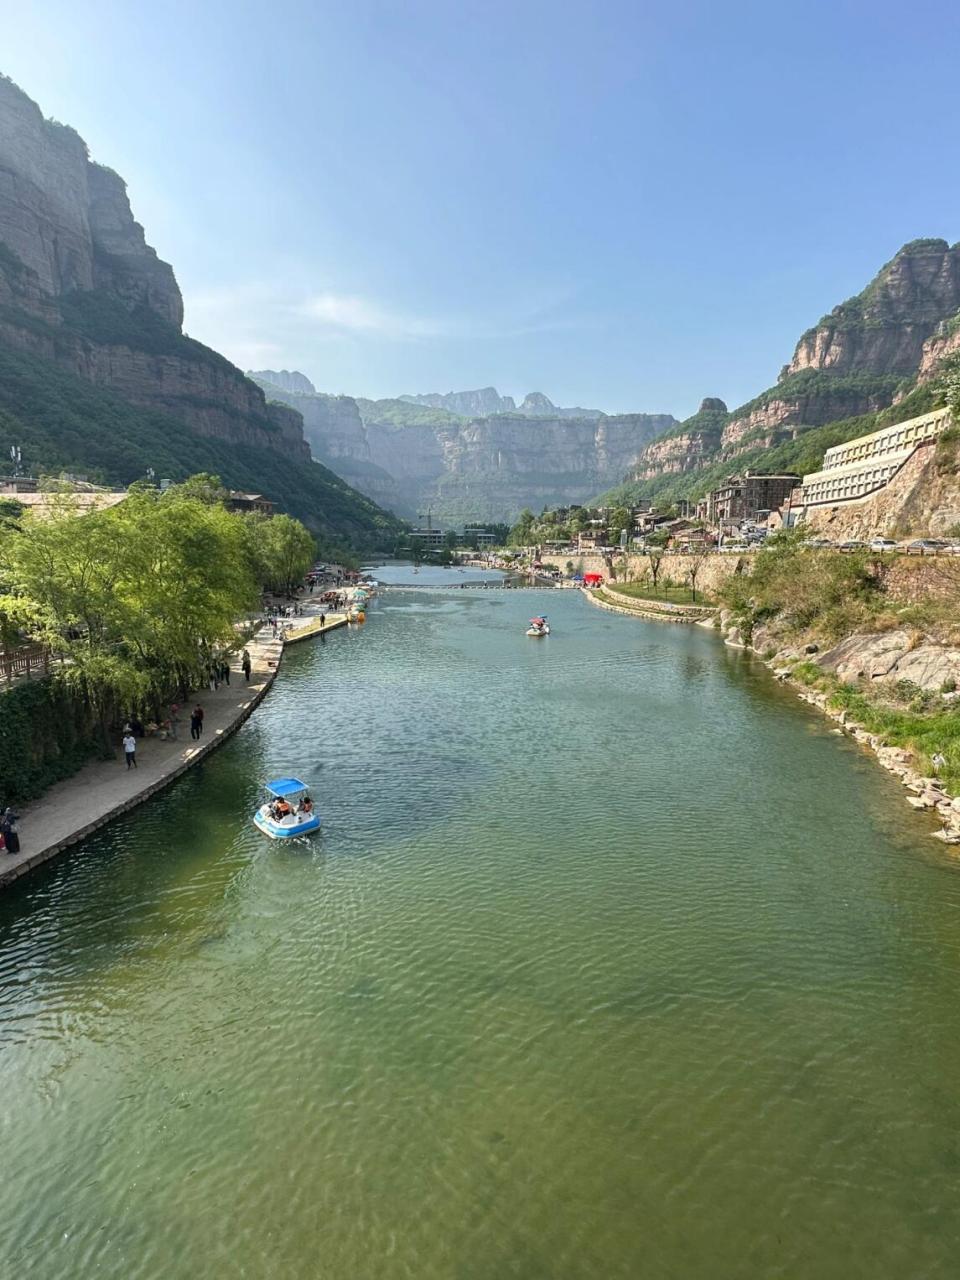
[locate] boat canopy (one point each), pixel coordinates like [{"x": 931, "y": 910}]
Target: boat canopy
[{"x": 285, "y": 787}]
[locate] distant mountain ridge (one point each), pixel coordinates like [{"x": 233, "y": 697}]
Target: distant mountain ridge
[
  {"x": 411, "y": 454},
  {"x": 488, "y": 401}
]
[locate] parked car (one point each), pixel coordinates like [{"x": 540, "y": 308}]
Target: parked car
[
  {"x": 924, "y": 547},
  {"x": 818, "y": 544},
  {"x": 882, "y": 544},
  {"x": 851, "y": 544}
]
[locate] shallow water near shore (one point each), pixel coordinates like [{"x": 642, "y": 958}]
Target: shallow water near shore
[{"x": 611, "y": 960}]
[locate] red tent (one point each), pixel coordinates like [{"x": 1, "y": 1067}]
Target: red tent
[{"x": 592, "y": 579}]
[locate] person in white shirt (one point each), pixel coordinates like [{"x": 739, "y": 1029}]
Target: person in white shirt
[{"x": 130, "y": 750}]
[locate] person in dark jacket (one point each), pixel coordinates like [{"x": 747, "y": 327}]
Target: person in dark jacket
[{"x": 8, "y": 829}]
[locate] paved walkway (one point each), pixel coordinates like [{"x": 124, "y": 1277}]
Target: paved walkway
[{"x": 103, "y": 790}]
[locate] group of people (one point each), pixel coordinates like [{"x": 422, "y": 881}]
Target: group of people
[
  {"x": 218, "y": 674},
  {"x": 281, "y": 809}
]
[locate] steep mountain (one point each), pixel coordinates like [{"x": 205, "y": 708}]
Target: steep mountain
[
  {"x": 85, "y": 302},
  {"x": 872, "y": 356},
  {"x": 413, "y": 456}
]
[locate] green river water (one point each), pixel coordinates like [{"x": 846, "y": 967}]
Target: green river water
[{"x": 610, "y": 961}]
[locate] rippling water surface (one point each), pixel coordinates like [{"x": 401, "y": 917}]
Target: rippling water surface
[{"x": 610, "y": 961}]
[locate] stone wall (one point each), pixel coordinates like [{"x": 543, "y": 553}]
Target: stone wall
[{"x": 714, "y": 570}]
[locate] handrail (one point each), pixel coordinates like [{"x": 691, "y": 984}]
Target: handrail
[{"x": 26, "y": 660}]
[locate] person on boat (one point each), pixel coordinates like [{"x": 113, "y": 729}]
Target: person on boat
[{"x": 306, "y": 805}]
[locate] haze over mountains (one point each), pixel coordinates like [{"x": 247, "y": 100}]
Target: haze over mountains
[{"x": 413, "y": 454}]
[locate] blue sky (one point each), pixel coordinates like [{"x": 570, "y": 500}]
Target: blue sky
[{"x": 626, "y": 206}]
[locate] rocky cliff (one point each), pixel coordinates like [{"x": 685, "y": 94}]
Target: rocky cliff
[
  {"x": 86, "y": 302},
  {"x": 414, "y": 457},
  {"x": 883, "y": 329},
  {"x": 79, "y": 285},
  {"x": 865, "y": 356}
]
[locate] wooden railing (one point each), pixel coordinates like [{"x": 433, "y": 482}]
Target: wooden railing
[{"x": 26, "y": 660}]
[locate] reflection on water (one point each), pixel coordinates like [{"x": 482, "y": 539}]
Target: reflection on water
[{"x": 609, "y": 961}]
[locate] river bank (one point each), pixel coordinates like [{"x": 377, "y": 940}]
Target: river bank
[{"x": 101, "y": 791}]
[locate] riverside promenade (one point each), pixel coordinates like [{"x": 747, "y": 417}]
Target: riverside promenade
[{"x": 104, "y": 789}]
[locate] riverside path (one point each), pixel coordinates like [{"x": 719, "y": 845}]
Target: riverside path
[{"x": 104, "y": 789}]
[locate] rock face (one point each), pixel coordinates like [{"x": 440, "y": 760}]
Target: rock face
[
  {"x": 943, "y": 344},
  {"x": 854, "y": 362},
  {"x": 480, "y": 468},
  {"x": 893, "y": 656},
  {"x": 67, "y": 219},
  {"x": 79, "y": 285},
  {"x": 883, "y": 329}
]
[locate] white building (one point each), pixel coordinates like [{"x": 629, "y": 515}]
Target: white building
[{"x": 857, "y": 469}]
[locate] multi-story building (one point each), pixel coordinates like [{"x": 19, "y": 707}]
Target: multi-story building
[
  {"x": 428, "y": 539},
  {"x": 857, "y": 469},
  {"x": 747, "y": 496}
]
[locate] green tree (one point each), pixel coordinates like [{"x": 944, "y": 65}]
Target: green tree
[
  {"x": 136, "y": 598},
  {"x": 282, "y": 551},
  {"x": 521, "y": 534}
]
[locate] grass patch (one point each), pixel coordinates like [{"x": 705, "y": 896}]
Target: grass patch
[
  {"x": 669, "y": 595},
  {"x": 922, "y": 732}
]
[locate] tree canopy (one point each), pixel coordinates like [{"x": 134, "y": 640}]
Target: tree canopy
[{"x": 139, "y": 597}]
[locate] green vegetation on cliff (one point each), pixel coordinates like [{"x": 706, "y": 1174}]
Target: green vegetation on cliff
[
  {"x": 871, "y": 308},
  {"x": 64, "y": 423},
  {"x": 815, "y": 383},
  {"x": 400, "y": 413}
]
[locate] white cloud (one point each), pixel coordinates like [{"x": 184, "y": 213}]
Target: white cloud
[
  {"x": 270, "y": 323},
  {"x": 350, "y": 314}
]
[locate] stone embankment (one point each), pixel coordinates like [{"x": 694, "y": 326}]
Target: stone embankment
[{"x": 651, "y": 610}]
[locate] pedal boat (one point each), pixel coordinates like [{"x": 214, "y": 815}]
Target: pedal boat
[{"x": 291, "y": 791}]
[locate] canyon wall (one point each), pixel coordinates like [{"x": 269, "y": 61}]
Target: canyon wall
[{"x": 480, "y": 468}]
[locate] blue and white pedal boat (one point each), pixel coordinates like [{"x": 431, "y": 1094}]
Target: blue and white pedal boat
[{"x": 282, "y": 814}]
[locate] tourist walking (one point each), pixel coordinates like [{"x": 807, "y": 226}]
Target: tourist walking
[
  {"x": 323, "y": 619},
  {"x": 246, "y": 664},
  {"x": 196, "y": 722},
  {"x": 130, "y": 750},
  {"x": 225, "y": 671},
  {"x": 8, "y": 829}
]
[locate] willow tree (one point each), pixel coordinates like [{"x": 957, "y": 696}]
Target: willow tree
[
  {"x": 134, "y": 598},
  {"x": 280, "y": 549}
]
